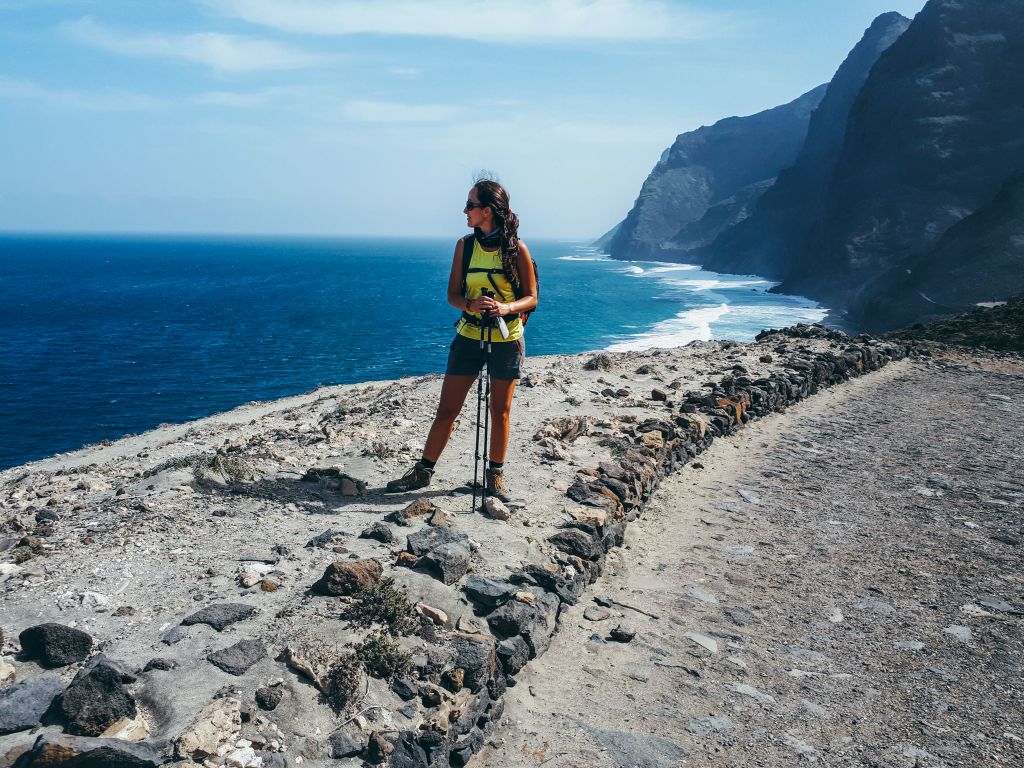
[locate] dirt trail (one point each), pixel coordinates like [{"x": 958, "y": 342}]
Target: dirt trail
[{"x": 841, "y": 584}]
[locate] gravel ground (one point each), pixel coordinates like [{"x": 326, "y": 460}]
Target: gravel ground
[{"x": 841, "y": 584}]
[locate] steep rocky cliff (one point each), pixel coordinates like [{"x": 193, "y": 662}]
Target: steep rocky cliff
[
  {"x": 934, "y": 134},
  {"x": 765, "y": 242},
  {"x": 732, "y": 158}
]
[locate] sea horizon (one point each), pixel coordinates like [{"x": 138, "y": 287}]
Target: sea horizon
[{"x": 110, "y": 335}]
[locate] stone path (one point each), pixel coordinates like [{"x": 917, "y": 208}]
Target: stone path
[{"x": 839, "y": 585}]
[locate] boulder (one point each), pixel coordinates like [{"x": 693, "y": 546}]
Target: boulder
[
  {"x": 55, "y": 645},
  {"x": 23, "y": 704},
  {"x": 347, "y": 741},
  {"x": 421, "y": 542},
  {"x": 379, "y": 532},
  {"x": 514, "y": 653},
  {"x": 577, "y": 542},
  {"x": 95, "y": 701},
  {"x": 448, "y": 562},
  {"x": 490, "y": 593},
  {"x": 475, "y": 655},
  {"x": 217, "y": 724},
  {"x": 534, "y": 622},
  {"x": 342, "y": 579}
]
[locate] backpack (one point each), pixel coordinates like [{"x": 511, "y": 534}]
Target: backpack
[{"x": 467, "y": 248}]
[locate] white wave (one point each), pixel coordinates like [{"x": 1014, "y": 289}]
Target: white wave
[
  {"x": 711, "y": 284},
  {"x": 632, "y": 269},
  {"x": 687, "y": 326},
  {"x": 675, "y": 268},
  {"x": 582, "y": 258}
]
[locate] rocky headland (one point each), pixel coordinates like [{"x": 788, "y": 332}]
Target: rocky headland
[{"x": 238, "y": 591}]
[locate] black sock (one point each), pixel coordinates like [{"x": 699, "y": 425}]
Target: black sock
[
  {"x": 496, "y": 464},
  {"x": 427, "y": 463}
]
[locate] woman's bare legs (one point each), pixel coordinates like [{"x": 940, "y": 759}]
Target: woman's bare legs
[
  {"x": 501, "y": 410},
  {"x": 453, "y": 396}
]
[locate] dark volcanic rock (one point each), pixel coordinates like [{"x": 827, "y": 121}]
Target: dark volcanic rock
[
  {"x": 347, "y": 741},
  {"x": 24, "y": 703},
  {"x": 423, "y": 541},
  {"x": 55, "y": 645},
  {"x": 535, "y": 623},
  {"x": 268, "y": 697},
  {"x": 731, "y": 159},
  {"x": 448, "y": 562},
  {"x": 347, "y": 578},
  {"x": 53, "y": 750},
  {"x": 577, "y": 542},
  {"x": 380, "y": 532},
  {"x": 236, "y": 659},
  {"x": 514, "y": 654},
  {"x": 1000, "y": 328},
  {"x": 95, "y": 701},
  {"x": 475, "y": 655},
  {"x": 489, "y": 593},
  {"x": 220, "y": 615}
]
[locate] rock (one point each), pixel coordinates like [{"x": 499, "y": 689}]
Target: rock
[
  {"x": 334, "y": 479},
  {"x": 623, "y": 633},
  {"x": 573, "y": 541},
  {"x": 133, "y": 729},
  {"x": 568, "y": 581},
  {"x": 476, "y": 656},
  {"x": 23, "y": 704},
  {"x": 216, "y": 725},
  {"x": 342, "y": 579},
  {"x": 448, "y": 562},
  {"x": 659, "y": 395},
  {"x": 440, "y": 518},
  {"x": 269, "y": 697},
  {"x": 326, "y": 540},
  {"x": 55, "y": 645},
  {"x": 243, "y": 757},
  {"x": 490, "y": 593},
  {"x": 699, "y": 593},
  {"x": 597, "y": 613},
  {"x": 535, "y": 622},
  {"x": 709, "y": 644},
  {"x": 495, "y": 509},
  {"x": 961, "y": 633},
  {"x": 7, "y": 671},
  {"x": 514, "y": 653},
  {"x": 421, "y": 542},
  {"x": 220, "y": 615},
  {"x": 236, "y": 659},
  {"x": 378, "y": 748},
  {"x": 95, "y": 701},
  {"x": 436, "y": 615},
  {"x": 124, "y": 672},
  {"x": 53, "y": 750},
  {"x": 404, "y": 688},
  {"x": 418, "y": 508},
  {"x": 347, "y": 741},
  {"x": 752, "y": 692},
  {"x": 379, "y": 532},
  {"x": 164, "y": 665}
]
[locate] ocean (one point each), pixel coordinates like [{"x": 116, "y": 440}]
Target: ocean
[{"x": 103, "y": 336}]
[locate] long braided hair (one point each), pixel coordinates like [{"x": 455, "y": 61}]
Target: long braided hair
[{"x": 494, "y": 196}]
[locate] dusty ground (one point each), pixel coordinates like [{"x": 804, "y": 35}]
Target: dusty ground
[{"x": 841, "y": 584}]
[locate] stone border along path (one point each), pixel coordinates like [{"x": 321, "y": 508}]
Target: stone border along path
[{"x": 521, "y": 611}]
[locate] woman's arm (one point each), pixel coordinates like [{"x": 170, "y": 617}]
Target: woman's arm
[{"x": 527, "y": 282}]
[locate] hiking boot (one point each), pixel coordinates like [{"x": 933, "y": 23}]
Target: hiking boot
[
  {"x": 417, "y": 477},
  {"x": 496, "y": 487}
]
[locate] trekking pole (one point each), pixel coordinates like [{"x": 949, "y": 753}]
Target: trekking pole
[
  {"x": 479, "y": 398},
  {"x": 487, "y": 394}
]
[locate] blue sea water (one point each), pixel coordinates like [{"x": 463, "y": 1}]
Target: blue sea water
[{"x": 103, "y": 336}]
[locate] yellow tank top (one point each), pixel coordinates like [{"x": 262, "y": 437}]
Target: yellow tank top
[{"x": 477, "y": 281}]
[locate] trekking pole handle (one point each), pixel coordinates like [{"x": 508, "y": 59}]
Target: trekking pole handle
[{"x": 498, "y": 319}]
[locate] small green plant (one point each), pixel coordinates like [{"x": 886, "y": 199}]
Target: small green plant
[
  {"x": 617, "y": 446},
  {"x": 341, "y": 683},
  {"x": 573, "y": 401},
  {"x": 230, "y": 468},
  {"x": 385, "y": 604},
  {"x": 383, "y": 657},
  {"x": 379, "y": 450}
]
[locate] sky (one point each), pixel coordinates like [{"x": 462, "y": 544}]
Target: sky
[{"x": 373, "y": 117}]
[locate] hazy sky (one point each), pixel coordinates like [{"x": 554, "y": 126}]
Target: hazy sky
[{"x": 372, "y": 116}]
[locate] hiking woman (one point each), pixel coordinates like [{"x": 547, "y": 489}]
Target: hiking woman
[{"x": 494, "y": 261}]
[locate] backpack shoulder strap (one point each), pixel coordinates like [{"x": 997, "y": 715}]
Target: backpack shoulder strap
[{"x": 467, "y": 255}]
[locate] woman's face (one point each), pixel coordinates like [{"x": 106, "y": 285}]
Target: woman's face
[{"x": 482, "y": 218}]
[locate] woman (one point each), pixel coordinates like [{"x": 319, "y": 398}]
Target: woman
[{"x": 498, "y": 263}]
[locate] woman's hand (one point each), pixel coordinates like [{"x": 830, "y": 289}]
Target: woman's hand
[{"x": 488, "y": 304}]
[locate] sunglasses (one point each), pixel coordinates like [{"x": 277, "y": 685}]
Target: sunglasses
[{"x": 470, "y": 205}]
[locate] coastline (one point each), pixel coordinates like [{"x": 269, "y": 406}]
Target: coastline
[{"x": 141, "y": 532}]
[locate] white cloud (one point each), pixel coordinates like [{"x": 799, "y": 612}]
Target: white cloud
[
  {"x": 537, "y": 21},
  {"x": 226, "y": 53},
  {"x": 407, "y": 72},
  {"x": 393, "y": 112},
  {"x": 92, "y": 101}
]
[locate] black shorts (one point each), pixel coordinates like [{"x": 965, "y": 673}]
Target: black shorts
[{"x": 465, "y": 358}]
